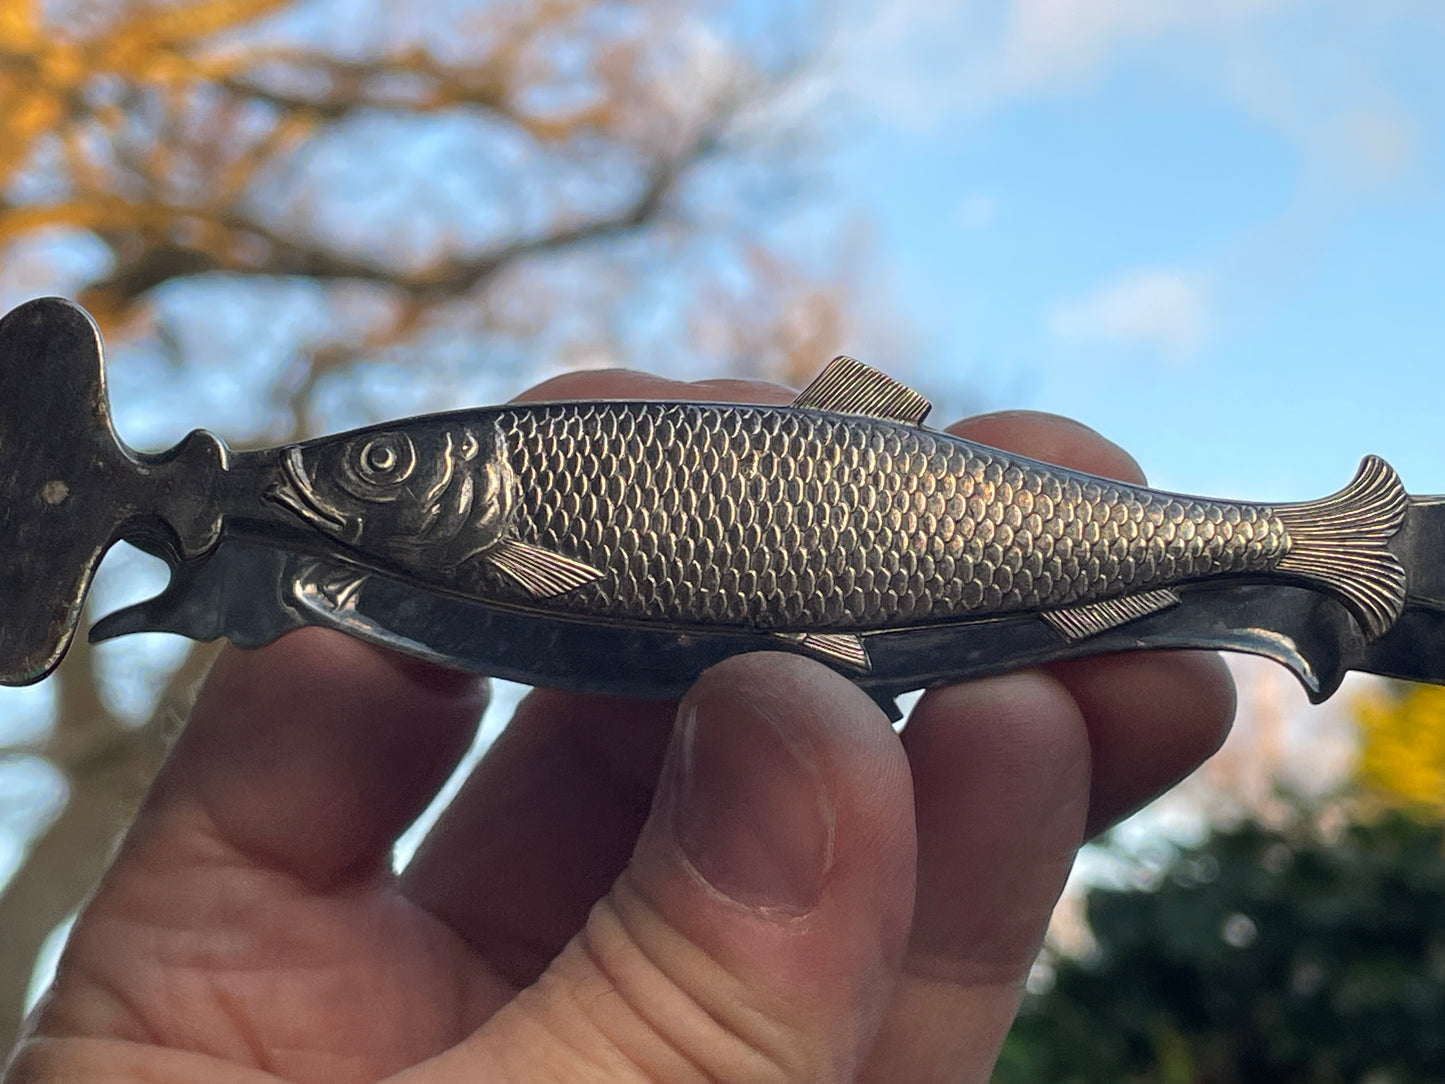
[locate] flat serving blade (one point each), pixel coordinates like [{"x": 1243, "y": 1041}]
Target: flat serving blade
[{"x": 457, "y": 538}]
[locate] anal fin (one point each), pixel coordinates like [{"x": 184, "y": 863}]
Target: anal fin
[
  {"x": 1092, "y": 618},
  {"x": 541, "y": 572},
  {"x": 847, "y": 386},
  {"x": 843, "y": 648}
]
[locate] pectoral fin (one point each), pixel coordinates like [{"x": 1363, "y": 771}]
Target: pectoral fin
[
  {"x": 1092, "y": 618},
  {"x": 843, "y": 648},
  {"x": 542, "y": 572}
]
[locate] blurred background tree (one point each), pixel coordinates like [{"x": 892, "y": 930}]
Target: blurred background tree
[
  {"x": 297, "y": 216},
  {"x": 290, "y": 217},
  {"x": 1305, "y": 945}
]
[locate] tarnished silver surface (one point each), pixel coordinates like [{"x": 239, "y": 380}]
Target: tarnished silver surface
[
  {"x": 791, "y": 519},
  {"x": 625, "y": 546},
  {"x": 781, "y": 518}
]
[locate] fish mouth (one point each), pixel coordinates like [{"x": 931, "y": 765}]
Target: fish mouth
[{"x": 296, "y": 492}]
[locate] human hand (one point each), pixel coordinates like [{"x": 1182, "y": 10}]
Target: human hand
[{"x": 761, "y": 883}]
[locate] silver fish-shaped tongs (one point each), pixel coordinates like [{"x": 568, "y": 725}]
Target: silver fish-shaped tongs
[{"x": 626, "y": 546}]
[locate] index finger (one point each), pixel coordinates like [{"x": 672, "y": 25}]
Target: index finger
[{"x": 549, "y": 817}]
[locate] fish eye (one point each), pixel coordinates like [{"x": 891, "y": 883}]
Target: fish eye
[{"x": 388, "y": 459}]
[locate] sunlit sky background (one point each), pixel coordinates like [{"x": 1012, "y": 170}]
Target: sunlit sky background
[{"x": 1212, "y": 229}]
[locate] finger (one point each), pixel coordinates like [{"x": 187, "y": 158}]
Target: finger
[
  {"x": 631, "y": 384},
  {"x": 766, "y": 904},
  {"x": 1152, "y": 720},
  {"x": 239, "y": 891},
  {"x": 548, "y": 819},
  {"x": 1001, "y": 783},
  {"x": 1152, "y": 717},
  {"x": 544, "y": 825},
  {"x": 1051, "y": 438},
  {"x": 1008, "y": 774},
  {"x": 310, "y": 756}
]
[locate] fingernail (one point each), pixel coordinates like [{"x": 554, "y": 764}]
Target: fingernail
[{"x": 751, "y": 812}]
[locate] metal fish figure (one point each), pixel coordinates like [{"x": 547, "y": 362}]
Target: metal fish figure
[
  {"x": 803, "y": 520},
  {"x": 431, "y": 498},
  {"x": 625, "y": 546}
]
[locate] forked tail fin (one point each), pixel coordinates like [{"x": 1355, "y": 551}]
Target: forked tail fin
[{"x": 1340, "y": 541}]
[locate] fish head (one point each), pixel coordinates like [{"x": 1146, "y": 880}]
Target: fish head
[{"x": 434, "y": 494}]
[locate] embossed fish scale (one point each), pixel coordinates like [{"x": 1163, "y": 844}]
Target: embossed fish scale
[
  {"x": 627, "y": 547},
  {"x": 794, "y": 520},
  {"x": 813, "y": 524}
]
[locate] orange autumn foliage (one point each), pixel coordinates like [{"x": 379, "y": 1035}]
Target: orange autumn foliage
[
  {"x": 50, "y": 80},
  {"x": 188, "y": 143}
]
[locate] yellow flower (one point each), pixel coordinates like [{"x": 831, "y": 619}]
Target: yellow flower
[{"x": 1402, "y": 748}]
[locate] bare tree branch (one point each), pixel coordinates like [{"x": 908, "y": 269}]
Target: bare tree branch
[
  {"x": 286, "y": 256},
  {"x": 353, "y": 86},
  {"x": 164, "y": 145}
]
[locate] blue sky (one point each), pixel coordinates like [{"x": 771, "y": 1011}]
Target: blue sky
[{"x": 1212, "y": 229}]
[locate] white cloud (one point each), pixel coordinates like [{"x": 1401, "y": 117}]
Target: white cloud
[
  {"x": 1157, "y": 308},
  {"x": 1382, "y": 143},
  {"x": 975, "y": 211},
  {"x": 1329, "y": 95},
  {"x": 929, "y": 59},
  {"x": 1315, "y": 72},
  {"x": 1049, "y": 40}
]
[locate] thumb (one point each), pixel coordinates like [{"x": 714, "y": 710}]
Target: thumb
[{"x": 755, "y": 933}]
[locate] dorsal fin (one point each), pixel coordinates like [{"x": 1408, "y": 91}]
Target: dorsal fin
[{"x": 847, "y": 386}]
